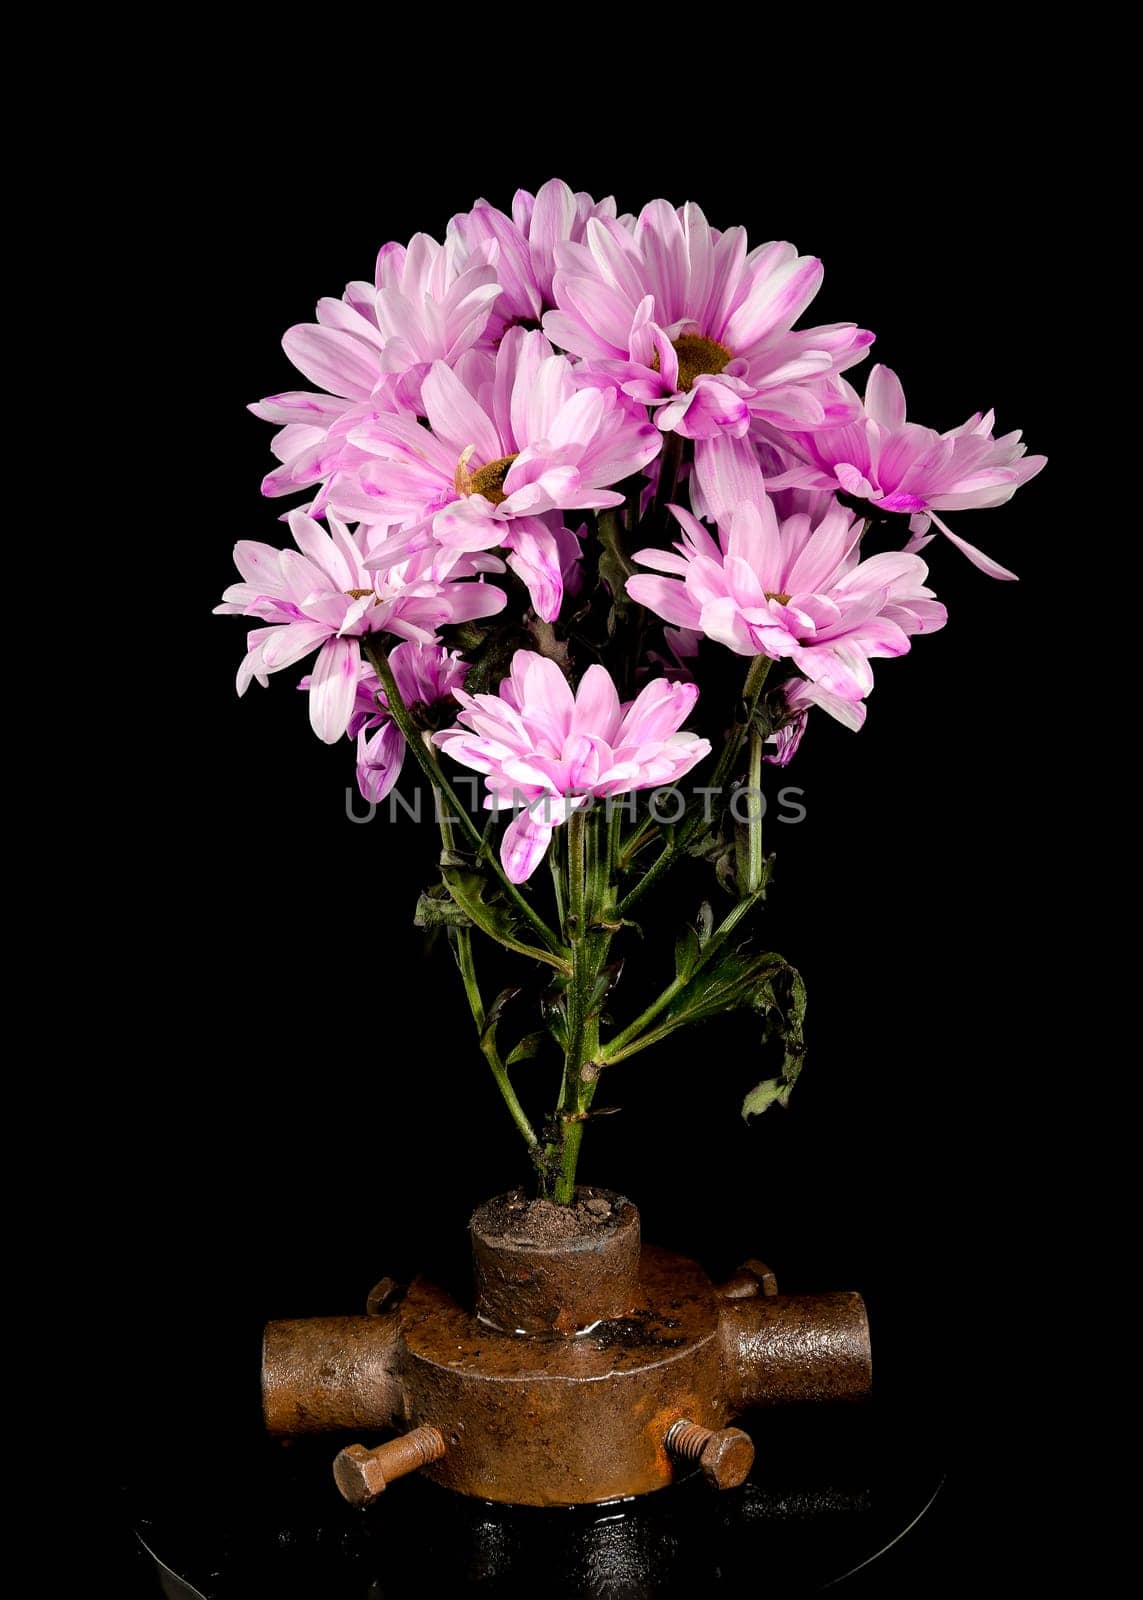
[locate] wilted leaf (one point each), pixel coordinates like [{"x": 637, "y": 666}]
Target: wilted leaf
[
  {"x": 436, "y": 908},
  {"x": 785, "y": 1013},
  {"x": 738, "y": 979},
  {"x": 492, "y": 917}
]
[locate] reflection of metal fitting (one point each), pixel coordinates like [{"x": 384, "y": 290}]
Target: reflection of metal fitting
[
  {"x": 575, "y": 1378},
  {"x": 361, "y": 1475},
  {"x": 724, "y": 1454}
]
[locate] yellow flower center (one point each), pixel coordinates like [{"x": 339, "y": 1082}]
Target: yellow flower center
[
  {"x": 782, "y": 599},
  {"x": 358, "y": 594},
  {"x": 487, "y": 480},
  {"x": 696, "y": 355}
]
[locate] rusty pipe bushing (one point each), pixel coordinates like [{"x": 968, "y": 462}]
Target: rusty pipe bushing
[
  {"x": 326, "y": 1374},
  {"x": 788, "y": 1349},
  {"x": 544, "y": 1267}
]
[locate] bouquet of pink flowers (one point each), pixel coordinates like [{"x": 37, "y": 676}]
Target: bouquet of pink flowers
[{"x": 555, "y": 469}]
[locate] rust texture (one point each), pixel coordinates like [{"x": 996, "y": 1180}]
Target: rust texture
[
  {"x": 631, "y": 1367},
  {"x": 780, "y": 1349},
  {"x": 551, "y": 1420},
  {"x": 323, "y": 1374},
  {"x": 361, "y": 1475},
  {"x": 526, "y": 1285},
  {"x": 725, "y": 1455}
]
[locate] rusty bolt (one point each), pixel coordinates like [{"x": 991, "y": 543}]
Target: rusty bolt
[
  {"x": 383, "y": 1297},
  {"x": 361, "y": 1475},
  {"x": 753, "y": 1278},
  {"x": 724, "y": 1454}
]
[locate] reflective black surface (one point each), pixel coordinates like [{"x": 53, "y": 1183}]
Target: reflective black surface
[{"x": 829, "y": 1492}]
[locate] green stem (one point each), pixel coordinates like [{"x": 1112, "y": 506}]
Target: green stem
[
  {"x": 557, "y": 882},
  {"x": 614, "y": 835},
  {"x": 754, "y": 804},
  {"x": 632, "y": 1037},
  {"x": 751, "y": 692},
  {"x": 670, "y": 460},
  {"x": 462, "y": 945},
  {"x": 662, "y": 863},
  {"x": 577, "y": 873},
  {"x": 634, "y": 841},
  {"x": 589, "y": 897},
  {"x": 488, "y": 1040},
  {"x": 425, "y": 755},
  {"x": 688, "y": 827}
]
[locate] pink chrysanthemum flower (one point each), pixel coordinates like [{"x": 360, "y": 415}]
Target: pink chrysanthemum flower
[
  {"x": 684, "y": 319},
  {"x": 801, "y": 696},
  {"x": 507, "y": 443},
  {"x": 371, "y": 349},
  {"x": 526, "y": 242},
  {"x": 901, "y": 466},
  {"x": 550, "y": 750},
  {"x": 792, "y": 590},
  {"x": 324, "y": 599},
  {"x": 426, "y": 675}
]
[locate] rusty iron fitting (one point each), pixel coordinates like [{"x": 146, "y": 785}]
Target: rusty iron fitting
[
  {"x": 529, "y": 1283},
  {"x": 579, "y": 1373},
  {"x": 324, "y": 1374},
  {"x": 725, "y": 1455},
  {"x": 361, "y": 1475},
  {"x": 791, "y": 1349}
]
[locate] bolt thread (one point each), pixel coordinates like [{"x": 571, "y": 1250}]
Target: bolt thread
[
  {"x": 686, "y": 1439},
  {"x": 411, "y": 1451}
]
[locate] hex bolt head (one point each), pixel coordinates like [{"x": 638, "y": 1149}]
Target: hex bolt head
[
  {"x": 724, "y": 1454},
  {"x": 361, "y": 1475},
  {"x": 727, "y": 1458},
  {"x": 383, "y": 1297}
]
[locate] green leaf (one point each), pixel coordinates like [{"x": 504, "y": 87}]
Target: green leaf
[
  {"x": 605, "y": 982},
  {"x": 692, "y": 940},
  {"x": 553, "y": 1009},
  {"x": 437, "y": 908},
  {"x": 493, "y": 917},
  {"x": 712, "y": 845},
  {"x": 528, "y": 1047},
  {"x": 469, "y": 636},
  {"x": 529, "y": 1044},
  {"x": 492, "y": 1019},
  {"x": 490, "y": 664},
  {"x": 772, "y": 1092},
  {"x": 738, "y": 979},
  {"x": 614, "y": 567},
  {"x": 686, "y": 952}
]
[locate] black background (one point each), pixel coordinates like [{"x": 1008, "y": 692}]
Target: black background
[{"x": 302, "y": 1107}]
